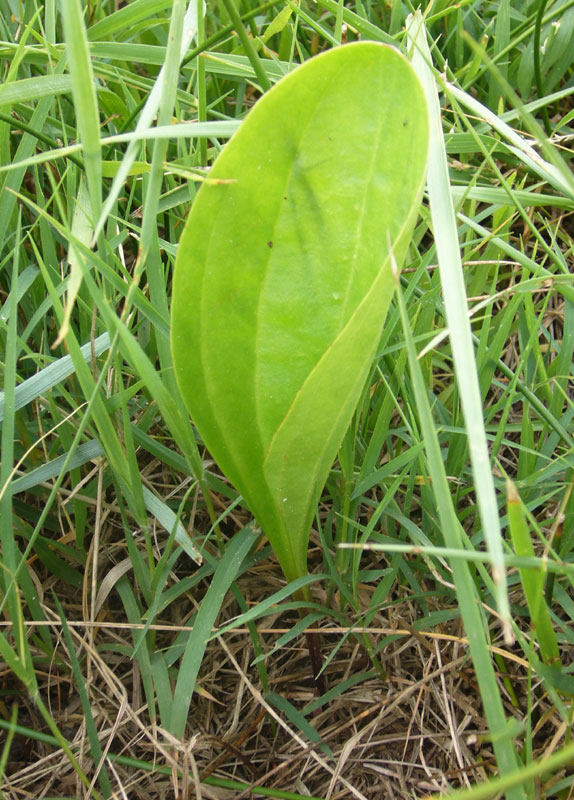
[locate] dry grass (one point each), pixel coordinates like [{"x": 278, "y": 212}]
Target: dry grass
[{"x": 417, "y": 731}]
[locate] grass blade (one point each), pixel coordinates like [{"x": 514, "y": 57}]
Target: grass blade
[
  {"x": 41, "y": 86},
  {"x": 450, "y": 266},
  {"x": 149, "y": 254},
  {"x": 52, "y": 375},
  {"x": 85, "y": 98},
  {"x": 97, "y": 754},
  {"x": 146, "y": 117},
  {"x": 532, "y": 581},
  {"x": 225, "y": 574},
  {"x": 465, "y": 588}
]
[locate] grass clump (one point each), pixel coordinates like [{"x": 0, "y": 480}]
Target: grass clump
[{"x": 133, "y": 580}]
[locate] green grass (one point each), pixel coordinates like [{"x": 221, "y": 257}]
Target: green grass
[{"x": 448, "y": 620}]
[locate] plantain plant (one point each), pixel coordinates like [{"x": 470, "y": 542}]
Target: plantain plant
[{"x": 283, "y": 276}]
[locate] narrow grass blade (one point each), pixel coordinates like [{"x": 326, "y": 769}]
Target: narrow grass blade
[
  {"x": 126, "y": 17},
  {"x": 224, "y": 575},
  {"x": 507, "y": 783},
  {"x": 52, "y": 469},
  {"x": 221, "y": 129},
  {"x": 149, "y": 256},
  {"x": 52, "y": 375},
  {"x": 296, "y": 630},
  {"x": 18, "y": 657},
  {"x": 501, "y": 40},
  {"x": 247, "y": 44},
  {"x": 85, "y": 98},
  {"x": 172, "y": 412},
  {"x": 134, "y": 614},
  {"x": 7, "y": 746},
  {"x": 297, "y": 719},
  {"x": 168, "y": 520},
  {"x": 27, "y": 89},
  {"x": 90, "y": 388},
  {"x": 81, "y": 230},
  {"x": 556, "y": 171},
  {"x": 512, "y": 252},
  {"x": 162, "y": 685},
  {"x": 10, "y": 358},
  {"x": 465, "y": 588},
  {"x": 149, "y": 766},
  {"x": 25, "y": 280},
  {"x": 271, "y": 603},
  {"x": 146, "y": 117},
  {"x": 358, "y": 23},
  {"x": 26, "y": 148},
  {"x": 452, "y": 281},
  {"x": 532, "y": 580},
  {"x": 519, "y": 146},
  {"x": 91, "y": 730}
]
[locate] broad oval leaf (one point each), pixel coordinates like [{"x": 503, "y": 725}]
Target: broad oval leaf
[{"x": 283, "y": 276}]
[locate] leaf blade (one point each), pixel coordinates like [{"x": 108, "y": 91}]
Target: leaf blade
[{"x": 285, "y": 269}]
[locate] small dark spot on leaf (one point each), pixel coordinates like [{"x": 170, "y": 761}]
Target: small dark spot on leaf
[
  {"x": 269, "y": 244},
  {"x": 405, "y": 122}
]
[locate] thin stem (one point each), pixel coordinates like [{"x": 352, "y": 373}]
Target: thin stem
[
  {"x": 201, "y": 96},
  {"x": 223, "y": 32},
  {"x": 64, "y": 745},
  {"x": 247, "y": 43},
  {"x": 314, "y": 645}
]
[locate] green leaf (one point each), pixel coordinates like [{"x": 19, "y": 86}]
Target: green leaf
[{"x": 283, "y": 276}]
